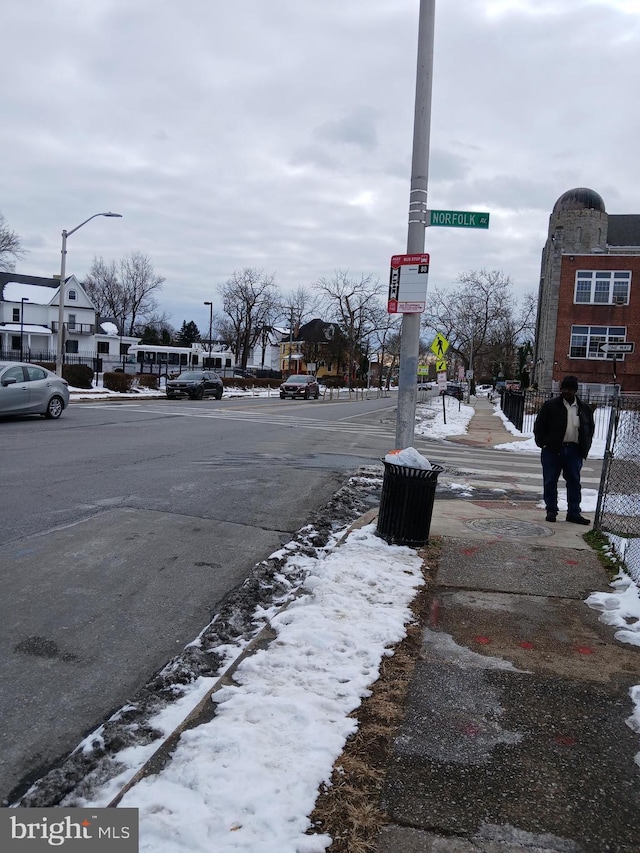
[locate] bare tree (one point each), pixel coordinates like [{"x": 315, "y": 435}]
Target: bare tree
[
  {"x": 385, "y": 339},
  {"x": 299, "y": 305},
  {"x": 140, "y": 283},
  {"x": 125, "y": 290},
  {"x": 156, "y": 328},
  {"x": 10, "y": 247},
  {"x": 353, "y": 304},
  {"x": 105, "y": 290},
  {"x": 250, "y": 301},
  {"x": 481, "y": 320},
  {"x": 393, "y": 356}
]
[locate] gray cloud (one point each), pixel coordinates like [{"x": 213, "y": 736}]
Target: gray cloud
[
  {"x": 279, "y": 134},
  {"x": 357, "y": 128}
]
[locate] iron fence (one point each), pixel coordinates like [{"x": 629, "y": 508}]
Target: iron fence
[
  {"x": 48, "y": 357},
  {"x": 522, "y": 407}
]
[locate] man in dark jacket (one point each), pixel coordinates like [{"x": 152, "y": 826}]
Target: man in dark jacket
[{"x": 564, "y": 430}]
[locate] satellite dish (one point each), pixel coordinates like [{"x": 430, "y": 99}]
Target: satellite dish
[{"x": 329, "y": 332}]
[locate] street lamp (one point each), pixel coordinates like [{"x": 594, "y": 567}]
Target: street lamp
[
  {"x": 22, "y": 301},
  {"x": 290, "y": 308},
  {"x": 210, "y": 304},
  {"x": 63, "y": 262}
]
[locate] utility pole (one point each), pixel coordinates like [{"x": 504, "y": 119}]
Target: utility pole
[
  {"x": 405, "y": 424},
  {"x": 210, "y": 304},
  {"x": 290, "y": 309}
]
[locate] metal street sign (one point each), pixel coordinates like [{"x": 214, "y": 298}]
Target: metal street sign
[
  {"x": 440, "y": 345},
  {"x": 458, "y": 218},
  {"x": 441, "y": 365},
  {"x": 408, "y": 284},
  {"x": 624, "y": 347}
]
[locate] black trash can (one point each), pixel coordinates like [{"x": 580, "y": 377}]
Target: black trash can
[{"x": 406, "y": 504}]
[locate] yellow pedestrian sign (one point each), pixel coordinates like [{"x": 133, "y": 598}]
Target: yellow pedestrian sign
[{"x": 440, "y": 345}]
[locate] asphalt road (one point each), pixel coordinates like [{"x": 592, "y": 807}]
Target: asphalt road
[{"x": 124, "y": 525}]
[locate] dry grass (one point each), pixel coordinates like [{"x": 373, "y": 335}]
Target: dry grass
[{"x": 349, "y": 808}]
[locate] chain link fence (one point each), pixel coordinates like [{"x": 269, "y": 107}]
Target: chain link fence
[
  {"x": 618, "y": 509},
  {"x": 618, "y": 424}
]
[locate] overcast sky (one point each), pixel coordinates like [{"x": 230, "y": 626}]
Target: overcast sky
[{"x": 277, "y": 133}]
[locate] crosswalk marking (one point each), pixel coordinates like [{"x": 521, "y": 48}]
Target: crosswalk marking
[{"x": 479, "y": 466}]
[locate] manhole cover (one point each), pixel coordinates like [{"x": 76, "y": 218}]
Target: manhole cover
[{"x": 508, "y": 527}]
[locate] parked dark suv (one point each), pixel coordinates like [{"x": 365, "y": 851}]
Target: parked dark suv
[
  {"x": 195, "y": 384},
  {"x": 300, "y": 386}
]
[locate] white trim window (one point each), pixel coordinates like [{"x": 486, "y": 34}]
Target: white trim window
[
  {"x": 602, "y": 287},
  {"x": 586, "y": 340}
]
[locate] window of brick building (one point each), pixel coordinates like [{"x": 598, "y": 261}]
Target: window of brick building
[
  {"x": 602, "y": 287},
  {"x": 586, "y": 340}
]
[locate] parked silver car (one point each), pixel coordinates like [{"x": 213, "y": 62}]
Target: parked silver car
[{"x": 28, "y": 389}]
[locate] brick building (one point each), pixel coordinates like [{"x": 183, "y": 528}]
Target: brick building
[{"x": 587, "y": 297}]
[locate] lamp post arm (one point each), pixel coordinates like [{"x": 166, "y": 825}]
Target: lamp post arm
[{"x": 73, "y": 230}]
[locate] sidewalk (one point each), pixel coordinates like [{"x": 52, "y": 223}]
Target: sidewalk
[
  {"x": 515, "y": 735},
  {"x": 485, "y": 429}
]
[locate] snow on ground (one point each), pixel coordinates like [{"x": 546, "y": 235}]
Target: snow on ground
[
  {"x": 434, "y": 421},
  {"x": 239, "y": 782},
  {"x": 99, "y": 392},
  {"x": 248, "y": 779}
]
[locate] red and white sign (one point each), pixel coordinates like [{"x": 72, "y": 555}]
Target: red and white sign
[{"x": 408, "y": 284}]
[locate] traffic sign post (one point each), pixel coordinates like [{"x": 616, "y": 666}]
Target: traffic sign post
[
  {"x": 440, "y": 345},
  {"x": 616, "y": 349},
  {"x": 408, "y": 284},
  {"x": 458, "y": 218},
  {"x": 621, "y": 348}
]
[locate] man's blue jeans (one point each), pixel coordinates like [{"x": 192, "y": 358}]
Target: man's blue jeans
[{"x": 567, "y": 462}]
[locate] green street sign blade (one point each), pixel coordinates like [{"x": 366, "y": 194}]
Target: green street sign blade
[{"x": 458, "y": 218}]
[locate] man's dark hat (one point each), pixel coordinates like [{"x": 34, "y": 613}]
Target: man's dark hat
[{"x": 569, "y": 382}]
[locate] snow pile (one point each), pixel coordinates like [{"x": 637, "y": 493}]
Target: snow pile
[
  {"x": 435, "y": 420},
  {"x": 620, "y": 608},
  {"x": 247, "y": 780},
  {"x": 408, "y": 458}
]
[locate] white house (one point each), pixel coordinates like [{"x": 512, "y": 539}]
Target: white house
[
  {"x": 265, "y": 354},
  {"x": 29, "y": 319}
]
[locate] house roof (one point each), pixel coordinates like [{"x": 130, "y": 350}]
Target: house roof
[
  {"x": 35, "y": 288},
  {"x": 316, "y": 331},
  {"x": 37, "y": 294},
  {"x": 26, "y": 328},
  {"x": 29, "y": 279},
  {"x": 624, "y": 229}
]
